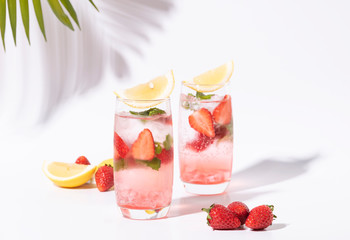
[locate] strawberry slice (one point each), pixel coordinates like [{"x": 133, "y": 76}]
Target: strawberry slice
[
  {"x": 120, "y": 147},
  {"x": 201, "y": 121},
  {"x": 222, "y": 114},
  {"x": 220, "y": 131},
  {"x": 143, "y": 147},
  {"x": 201, "y": 143},
  {"x": 166, "y": 156}
]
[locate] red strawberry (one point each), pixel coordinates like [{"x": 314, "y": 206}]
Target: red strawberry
[
  {"x": 169, "y": 120},
  {"x": 104, "y": 178},
  {"x": 220, "y": 217},
  {"x": 200, "y": 143},
  {"x": 120, "y": 147},
  {"x": 201, "y": 121},
  {"x": 82, "y": 160},
  {"x": 222, "y": 114},
  {"x": 143, "y": 147},
  {"x": 260, "y": 217},
  {"x": 220, "y": 131},
  {"x": 166, "y": 155},
  {"x": 240, "y": 209}
]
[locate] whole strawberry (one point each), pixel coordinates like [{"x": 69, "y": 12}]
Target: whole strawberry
[
  {"x": 82, "y": 160},
  {"x": 104, "y": 178},
  {"x": 240, "y": 209},
  {"x": 221, "y": 218},
  {"x": 260, "y": 217}
]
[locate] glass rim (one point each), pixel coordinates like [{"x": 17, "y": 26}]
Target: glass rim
[
  {"x": 184, "y": 83},
  {"x": 142, "y": 100}
]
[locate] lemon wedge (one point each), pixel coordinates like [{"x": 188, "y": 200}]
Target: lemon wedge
[
  {"x": 211, "y": 80},
  {"x": 108, "y": 162},
  {"x": 144, "y": 95},
  {"x": 68, "y": 174}
]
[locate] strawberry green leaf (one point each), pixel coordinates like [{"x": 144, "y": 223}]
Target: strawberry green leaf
[
  {"x": 12, "y": 7},
  {"x": 39, "y": 16},
  {"x": 3, "y": 21},
  {"x": 25, "y": 16},
  {"x": 154, "y": 163}
]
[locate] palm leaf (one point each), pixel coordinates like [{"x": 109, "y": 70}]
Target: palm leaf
[
  {"x": 55, "y": 7},
  {"x": 12, "y": 7},
  {"x": 3, "y": 21},
  {"x": 25, "y": 16},
  {"x": 39, "y": 16},
  {"x": 70, "y": 9},
  {"x": 58, "y": 11},
  {"x": 93, "y": 4}
]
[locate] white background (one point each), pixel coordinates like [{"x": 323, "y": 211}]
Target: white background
[{"x": 291, "y": 102}]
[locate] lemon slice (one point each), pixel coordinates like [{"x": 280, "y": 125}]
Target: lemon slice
[
  {"x": 68, "y": 174},
  {"x": 144, "y": 95},
  {"x": 211, "y": 80}
]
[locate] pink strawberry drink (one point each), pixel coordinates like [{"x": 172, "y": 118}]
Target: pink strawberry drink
[
  {"x": 143, "y": 162},
  {"x": 205, "y": 142}
]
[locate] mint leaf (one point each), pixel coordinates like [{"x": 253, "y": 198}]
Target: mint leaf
[
  {"x": 157, "y": 148},
  {"x": 168, "y": 143},
  {"x": 154, "y": 163},
  {"x": 119, "y": 165},
  {"x": 149, "y": 112},
  {"x": 203, "y": 96}
]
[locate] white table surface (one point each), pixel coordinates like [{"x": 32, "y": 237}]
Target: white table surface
[{"x": 291, "y": 104}]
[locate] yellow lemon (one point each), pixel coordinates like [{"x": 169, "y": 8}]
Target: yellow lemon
[
  {"x": 108, "y": 162},
  {"x": 211, "y": 80},
  {"x": 68, "y": 174},
  {"x": 143, "y": 95}
]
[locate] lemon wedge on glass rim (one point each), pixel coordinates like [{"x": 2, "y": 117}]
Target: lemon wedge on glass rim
[
  {"x": 68, "y": 174},
  {"x": 145, "y": 95},
  {"x": 211, "y": 80}
]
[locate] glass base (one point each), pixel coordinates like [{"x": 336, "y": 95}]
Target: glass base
[
  {"x": 144, "y": 214},
  {"x": 206, "y": 189}
]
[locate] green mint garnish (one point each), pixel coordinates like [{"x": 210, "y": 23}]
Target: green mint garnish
[
  {"x": 203, "y": 96},
  {"x": 119, "y": 165},
  {"x": 157, "y": 148},
  {"x": 149, "y": 112},
  {"x": 154, "y": 163},
  {"x": 230, "y": 127},
  {"x": 168, "y": 143}
]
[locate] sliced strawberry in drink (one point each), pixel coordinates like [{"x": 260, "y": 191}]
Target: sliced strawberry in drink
[
  {"x": 201, "y": 121},
  {"x": 120, "y": 147},
  {"x": 220, "y": 131},
  {"x": 222, "y": 114},
  {"x": 201, "y": 143},
  {"x": 143, "y": 147},
  {"x": 166, "y": 156}
]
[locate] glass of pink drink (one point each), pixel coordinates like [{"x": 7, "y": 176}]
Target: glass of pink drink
[
  {"x": 143, "y": 159},
  {"x": 205, "y": 140}
]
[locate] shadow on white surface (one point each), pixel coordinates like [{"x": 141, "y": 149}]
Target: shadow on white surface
[
  {"x": 261, "y": 174},
  {"x": 269, "y": 171},
  {"x": 277, "y": 226}
]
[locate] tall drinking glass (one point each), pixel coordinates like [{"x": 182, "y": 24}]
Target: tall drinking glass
[
  {"x": 205, "y": 138},
  {"x": 143, "y": 158}
]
